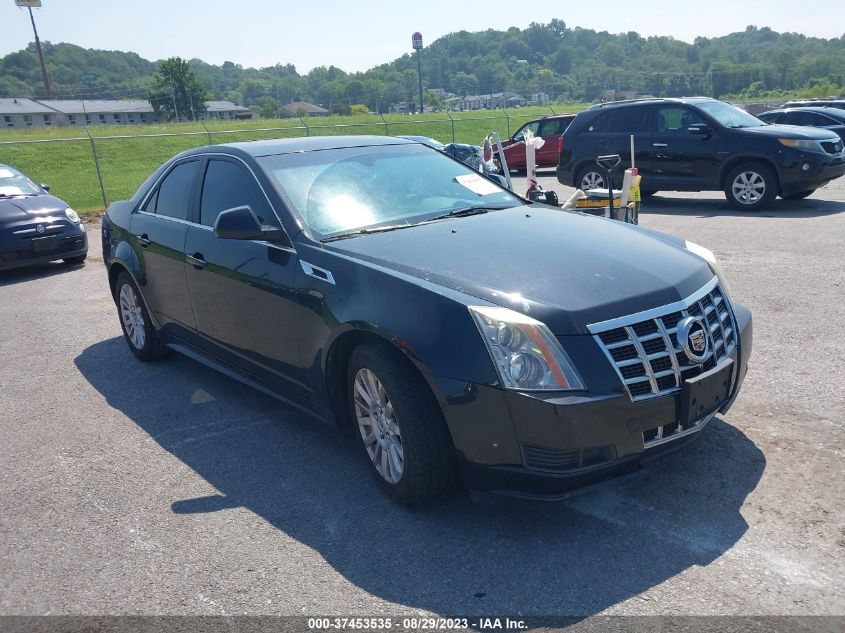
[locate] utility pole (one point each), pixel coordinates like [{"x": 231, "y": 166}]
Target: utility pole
[
  {"x": 173, "y": 97},
  {"x": 417, "y": 43},
  {"x": 40, "y": 56}
]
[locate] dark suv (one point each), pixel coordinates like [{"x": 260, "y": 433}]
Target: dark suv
[{"x": 701, "y": 144}]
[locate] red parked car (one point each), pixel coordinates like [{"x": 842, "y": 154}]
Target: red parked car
[{"x": 551, "y": 128}]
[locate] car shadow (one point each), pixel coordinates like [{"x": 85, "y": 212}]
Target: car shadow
[
  {"x": 718, "y": 207},
  {"x": 569, "y": 559},
  {"x": 40, "y": 271}
]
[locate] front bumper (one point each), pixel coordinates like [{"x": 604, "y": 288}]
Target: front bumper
[
  {"x": 548, "y": 447},
  {"x": 821, "y": 169},
  {"x": 17, "y": 248}
]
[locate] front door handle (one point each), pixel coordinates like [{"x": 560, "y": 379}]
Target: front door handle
[
  {"x": 144, "y": 240},
  {"x": 197, "y": 261},
  {"x": 660, "y": 145}
]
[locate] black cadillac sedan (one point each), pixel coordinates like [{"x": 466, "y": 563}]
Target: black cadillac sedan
[
  {"x": 35, "y": 227},
  {"x": 460, "y": 332}
]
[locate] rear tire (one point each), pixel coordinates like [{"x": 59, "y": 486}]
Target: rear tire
[
  {"x": 751, "y": 187},
  {"x": 138, "y": 330},
  {"x": 399, "y": 425},
  {"x": 800, "y": 195},
  {"x": 590, "y": 178},
  {"x": 72, "y": 261}
]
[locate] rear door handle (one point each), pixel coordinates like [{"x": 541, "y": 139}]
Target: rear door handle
[
  {"x": 660, "y": 145},
  {"x": 197, "y": 261},
  {"x": 144, "y": 240}
]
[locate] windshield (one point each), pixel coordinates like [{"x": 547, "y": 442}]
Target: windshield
[
  {"x": 338, "y": 191},
  {"x": 728, "y": 115},
  {"x": 14, "y": 183}
]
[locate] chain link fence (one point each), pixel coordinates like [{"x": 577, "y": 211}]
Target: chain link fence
[{"x": 90, "y": 171}]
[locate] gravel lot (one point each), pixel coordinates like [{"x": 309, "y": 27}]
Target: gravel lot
[{"x": 131, "y": 488}]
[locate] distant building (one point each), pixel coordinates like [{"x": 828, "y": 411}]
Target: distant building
[
  {"x": 505, "y": 99},
  {"x": 225, "y": 111},
  {"x": 21, "y": 113},
  {"x": 294, "y": 108},
  {"x": 100, "y": 111}
]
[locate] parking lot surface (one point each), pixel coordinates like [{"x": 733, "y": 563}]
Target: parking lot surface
[{"x": 132, "y": 488}]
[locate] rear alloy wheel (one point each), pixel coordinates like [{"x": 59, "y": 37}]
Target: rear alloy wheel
[
  {"x": 135, "y": 322},
  {"x": 800, "y": 195},
  {"x": 751, "y": 187},
  {"x": 590, "y": 179},
  {"x": 399, "y": 425}
]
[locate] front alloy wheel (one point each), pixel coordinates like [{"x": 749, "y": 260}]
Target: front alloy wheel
[
  {"x": 132, "y": 317},
  {"x": 400, "y": 425},
  {"x": 751, "y": 187},
  {"x": 137, "y": 328},
  {"x": 377, "y": 424}
]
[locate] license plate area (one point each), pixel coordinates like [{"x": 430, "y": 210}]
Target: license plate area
[
  {"x": 705, "y": 393},
  {"x": 42, "y": 244}
]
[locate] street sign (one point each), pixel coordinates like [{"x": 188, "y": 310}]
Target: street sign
[
  {"x": 88, "y": 77},
  {"x": 35, "y": 4},
  {"x": 416, "y": 41}
]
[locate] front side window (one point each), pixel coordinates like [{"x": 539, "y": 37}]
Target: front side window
[
  {"x": 520, "y": 134},
  {"x": 676, "y": 120},
  {"x": 172, "y": 197},
  {"x": 228, "y": 185},
  {"x": 342, "y": 190}
]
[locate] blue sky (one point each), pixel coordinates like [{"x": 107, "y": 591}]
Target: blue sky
[{"x": 358, "y": 35}]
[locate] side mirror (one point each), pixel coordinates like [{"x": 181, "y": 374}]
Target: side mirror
[
  {"x": 241, "y": 223},
  {"x": 700, "y": 129},
  {"x": 45, "y": 186}
]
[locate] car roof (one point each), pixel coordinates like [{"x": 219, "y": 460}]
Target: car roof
[
  {"x": 306, "y": 144},
  {"x": 648, "y": 101},
  {"x": 836, "y": 113}
]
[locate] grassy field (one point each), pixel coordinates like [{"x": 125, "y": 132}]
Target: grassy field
[{"x": 63, "y": 158}]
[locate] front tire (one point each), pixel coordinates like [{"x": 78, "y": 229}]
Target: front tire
[
  {"x": 399, "y": 425},
  {"x": 751, "y": 187},
  {"x": 590, "y": 178},
  {"x": 135, "y": 322}
]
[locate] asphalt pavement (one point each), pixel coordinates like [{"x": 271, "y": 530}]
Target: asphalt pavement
[{"x": 166, "y": 488}]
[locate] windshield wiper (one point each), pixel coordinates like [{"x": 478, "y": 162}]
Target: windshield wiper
[
  {"x": 375, "y": 229},
  {"x": 464, "y": 212}
]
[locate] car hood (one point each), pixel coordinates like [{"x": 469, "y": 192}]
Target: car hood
[
  {"x": 800, "y": 132},
  {"x": 565, "y": 269},
  {"x": 24, "y": 208}
]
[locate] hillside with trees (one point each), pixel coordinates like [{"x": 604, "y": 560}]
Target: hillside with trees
[{"x": 567, "y": 64}]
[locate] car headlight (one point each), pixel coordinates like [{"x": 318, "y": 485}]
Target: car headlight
[
  {"x": 707, "y": 255},
  {"x": 72, "y": 215},
  {"x": 805, "y": 145},
  {"x": 526, "y": 354}
]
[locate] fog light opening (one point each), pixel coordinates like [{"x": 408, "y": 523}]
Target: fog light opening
[{"x": 806, "y": 166}]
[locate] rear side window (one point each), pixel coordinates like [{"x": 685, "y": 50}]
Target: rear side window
[
  {"x": 552, "y": 128},
  {"x": 630, "y": 120},
  {"x": 173, "y": 196},
  {"x": 600, "y": 124},
  {"x": 770, "y": 118},
  {"x": 228, "y": 185}
]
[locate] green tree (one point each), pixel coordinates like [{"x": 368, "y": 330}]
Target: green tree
[{"x": 178, "y": 94}]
